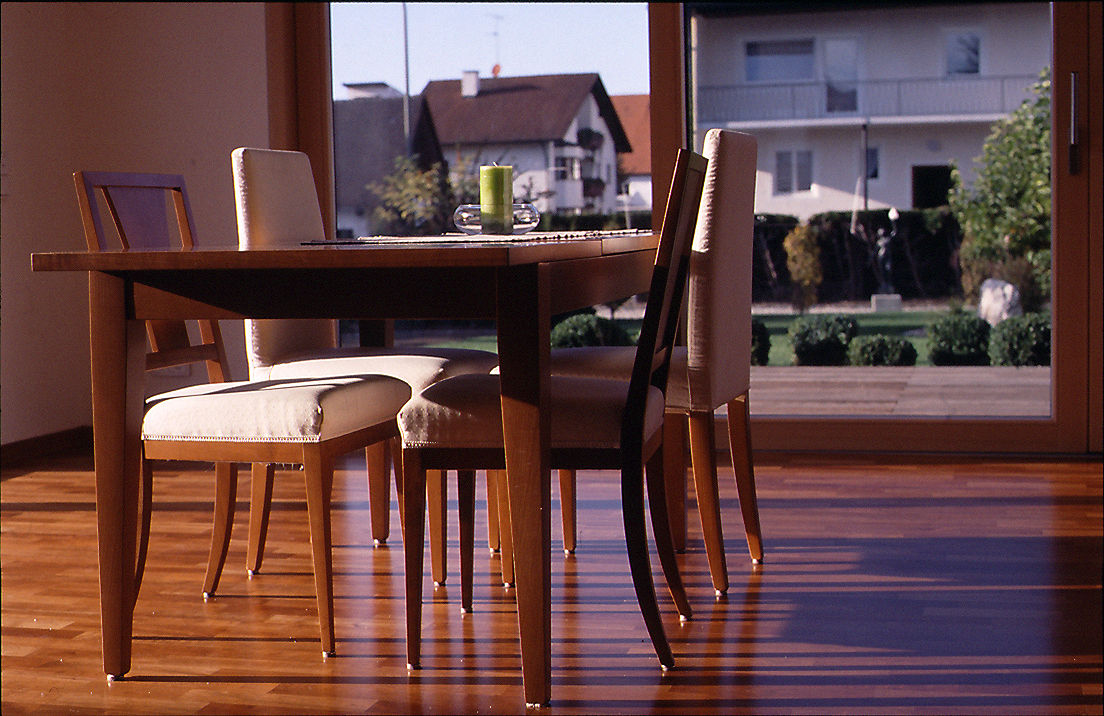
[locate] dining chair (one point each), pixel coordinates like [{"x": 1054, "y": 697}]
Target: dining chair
[
  {"x": 714, "y": 368},
  {"x": 302, "y": 421},
  {"x": 277, "y": 207},
  {"x": 600, "y": 424}
]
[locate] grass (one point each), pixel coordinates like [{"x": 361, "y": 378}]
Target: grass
[{"x": 909, "y": 324}]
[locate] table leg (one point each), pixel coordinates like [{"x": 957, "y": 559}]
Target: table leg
[
  {"x": 523, "y": 349},
  {"x": 118, "y": 348}
]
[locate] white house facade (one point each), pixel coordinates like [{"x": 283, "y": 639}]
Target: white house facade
[{"x": 862, "y": 108}]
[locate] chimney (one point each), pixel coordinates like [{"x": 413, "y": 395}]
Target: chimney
[{"x": 469, "y": 83}]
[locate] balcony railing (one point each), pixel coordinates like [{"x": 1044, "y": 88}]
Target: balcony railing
[{"x": 875, "y": 98}]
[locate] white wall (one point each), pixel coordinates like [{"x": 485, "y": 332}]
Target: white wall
[{"x": 157, "y": 87}]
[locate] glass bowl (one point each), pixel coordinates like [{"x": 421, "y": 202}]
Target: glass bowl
[{"x": 467, "y": 218}]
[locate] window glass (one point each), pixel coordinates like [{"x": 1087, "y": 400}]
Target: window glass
[
  {"x": 804, "y": 169},
  {"x": 963, "y": 53},
  {"x": 783, "y": 173},
  {"x": 780, "y": 60},
  {"x": 872, "y": 163}
]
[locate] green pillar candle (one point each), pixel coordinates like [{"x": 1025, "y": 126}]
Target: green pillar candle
[{"x": 496, "y": 199}]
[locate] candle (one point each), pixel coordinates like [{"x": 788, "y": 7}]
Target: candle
[{"x": 496, "y": 199}]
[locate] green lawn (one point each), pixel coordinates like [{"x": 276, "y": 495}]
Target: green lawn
[{"x": 897, "y": 323}]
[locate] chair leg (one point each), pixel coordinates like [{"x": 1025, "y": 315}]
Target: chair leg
[
  {"x": 144, "y": 517},
  {"x": 414, "y": 496},
  {"x": 377, "y": 460},
  {"x": 703, "y": 459},
  {"x": 226, "y": 488},
  {"x": 739, "y": 442},
  {"x": 437, "y": 497},
  {"x": 504, "y": 530},
  {"x": 396, "y": 457},
  {"x": 465, "y": 480},
  {"x": 261, "y": 478},
  {"x": 674, "y": 472},
  {"x": 665, "y": 548},
  {"x": 318, "y": 475},
  {"x": 567, "y": 509},
  {"x": 636, "y": 542},
  {"x": 494, "y": 540}
]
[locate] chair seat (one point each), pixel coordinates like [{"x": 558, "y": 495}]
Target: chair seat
[
  {"x": 419, "y": 367},
  {"x": 296, "y": 411},
  {"x": 616, "y": 363},
  {"x": 465, "y": 411}
]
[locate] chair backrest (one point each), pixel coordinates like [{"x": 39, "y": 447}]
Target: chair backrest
[
  {"x": 138, "y": 205},
  {"x": 718, "y": 329},
  {"x": 277, "y": 204},
  {"x": 661, "y": 313}
]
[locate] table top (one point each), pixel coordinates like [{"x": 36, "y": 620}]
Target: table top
[{"x": 368, "y": 252}]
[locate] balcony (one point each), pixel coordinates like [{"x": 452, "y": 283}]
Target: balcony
[{"x": 957, "y": 98}]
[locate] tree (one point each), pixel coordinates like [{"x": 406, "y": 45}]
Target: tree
[
  {"x": 1005, "y": 215},
  {"x": 413, "y": 201},
  {"x": 803, "y": 262}
]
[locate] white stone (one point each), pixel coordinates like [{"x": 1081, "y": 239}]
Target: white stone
[
  {"x": 998, "y": 300},
  {"x": 885, "y": 302}
]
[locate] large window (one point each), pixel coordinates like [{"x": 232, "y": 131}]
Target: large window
[
  {"x": 793, "y": 171},
  {"x": 780, "y": 60},
  {"x": 963, "y": 53}
]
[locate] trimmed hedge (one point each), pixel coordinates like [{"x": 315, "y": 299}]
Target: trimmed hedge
[
  {"x": 881, "y": 349},
  {"x": 760, "y": 343},
  {"x": 822, "y": 339},
  {"x": 588, "y": 329},
  {"x": 958, "y": 338},
  {"x": 1021, "y": 340}
]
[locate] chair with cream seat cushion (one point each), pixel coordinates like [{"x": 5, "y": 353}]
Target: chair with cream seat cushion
[
  {"x": 277, "y": 206},
  {"x": 601, "y": 424},
  {"x": 307, "y": 422},
  {"x": 714, "y": 369}
]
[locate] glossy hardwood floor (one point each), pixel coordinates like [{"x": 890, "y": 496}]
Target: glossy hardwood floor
[{"x": 892, "y": 585}]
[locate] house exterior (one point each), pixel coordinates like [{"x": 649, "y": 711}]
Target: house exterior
[
  {"x": 635, "y": 166},
  {"x": 561, "y": 134},
  {"x": 368, "y": 136},
  {"x": 866, "y": 107}
]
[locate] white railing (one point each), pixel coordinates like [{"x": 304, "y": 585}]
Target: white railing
[{"x": 875, "y": 98}]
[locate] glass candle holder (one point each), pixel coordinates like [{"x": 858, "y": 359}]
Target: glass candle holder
[{"x": 468, "y": 218}]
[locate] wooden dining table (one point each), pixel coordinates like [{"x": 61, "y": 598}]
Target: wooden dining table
[{"x": 520, "y": 282}]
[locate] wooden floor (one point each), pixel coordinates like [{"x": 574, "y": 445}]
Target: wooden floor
[{"x": 891, "y": 586}]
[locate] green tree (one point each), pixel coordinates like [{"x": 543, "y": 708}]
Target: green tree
[
  {"x": 413, "y": 201},
  {"x": 1005, "y": 214}
]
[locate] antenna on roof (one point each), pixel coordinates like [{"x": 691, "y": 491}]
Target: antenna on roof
[{"x": 497, "y": 63}]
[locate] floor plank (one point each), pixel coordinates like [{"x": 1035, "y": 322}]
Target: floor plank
[{"x": 891, "y": 585}]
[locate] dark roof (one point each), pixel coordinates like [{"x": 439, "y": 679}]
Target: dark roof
[
  {"x": 368, "y": 135},
  {"x": 539, "y": 108},
  {"x": 634, "y": 110}
]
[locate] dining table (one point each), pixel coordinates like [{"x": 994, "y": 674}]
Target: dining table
[{"x": 518, "y": 281}]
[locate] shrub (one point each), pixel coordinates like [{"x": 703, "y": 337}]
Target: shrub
[
  {"x": 881, "y": 350},
  {"x": 958, "y": 338},
  {"x": 588, "y": 329},
  {"x": 803, "y": 262},
  {"x": 760, "y": 343},
  {"x": 822, "y": 339},
  {"x": 1021, "y": 340}
]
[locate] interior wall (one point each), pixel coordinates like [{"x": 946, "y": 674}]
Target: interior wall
[{"x": 150, "y": 87}]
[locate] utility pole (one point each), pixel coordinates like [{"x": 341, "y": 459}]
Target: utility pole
[{"x": 406, "y": 88}]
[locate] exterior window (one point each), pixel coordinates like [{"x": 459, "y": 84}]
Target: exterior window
[
  {"x": 569, "y": 168},
  {"x": 793, "y": 171},
  {"x": 772, "y": 61},
  {"x": 872, "y": 163},
  {"x": 841, "y": 59},
  {"x": 963, "y": 54}
]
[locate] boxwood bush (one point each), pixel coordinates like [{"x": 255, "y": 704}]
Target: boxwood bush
[
  {"x": 822, "y": 339},
  {"x": 588, "y": 329},
  {"x": 1021, "y": 340},
  {"x": 958, "y": 338},
  {"x": 881, "y": 349},
  {"x": 760, "y": 343}
]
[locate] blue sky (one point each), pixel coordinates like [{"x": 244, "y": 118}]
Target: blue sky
[{"x": 532, "y": 39}]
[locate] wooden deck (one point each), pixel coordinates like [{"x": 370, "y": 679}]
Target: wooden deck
[
  {"x": 936, "y": 585},
  {"x": 960, "y": 391}
]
